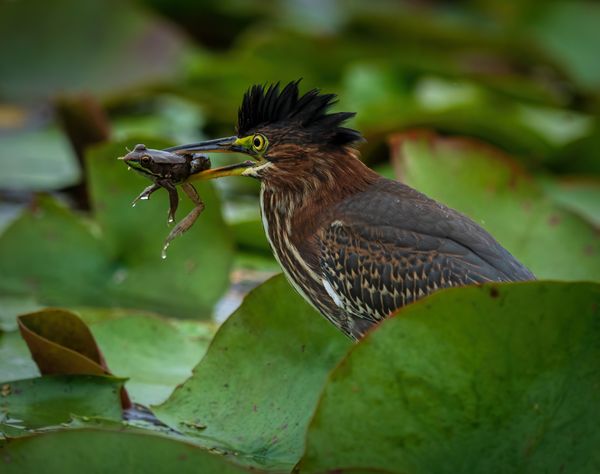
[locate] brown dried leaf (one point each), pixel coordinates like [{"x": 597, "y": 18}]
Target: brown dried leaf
[{"x": 61, "y": 343}]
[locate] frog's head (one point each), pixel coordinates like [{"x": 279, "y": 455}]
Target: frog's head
[{"x": 153, "y": 164}]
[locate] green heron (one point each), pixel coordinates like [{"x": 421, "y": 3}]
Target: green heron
[{"x": 355, "y": 245}]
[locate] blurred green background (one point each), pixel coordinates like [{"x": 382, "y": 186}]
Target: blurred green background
[
  {"x": 490, "y": 106},
  {"x": 513, "y": 86}
]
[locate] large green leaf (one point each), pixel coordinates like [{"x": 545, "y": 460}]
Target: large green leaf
[
  {"x": 580, "y": 195},
  {"x": 16, "y": 359},
  {"x": 155, "y": 354},
  {"x": 488, "y": 379},
  {"x": 37, "y": 160},
  {"x": 62, "y": 259},
  {"x": 250, "y": 235},
  {"x": 94, "y": 450},
  {"x": 11, "y": 306},
  {"x": 496, "y": 192},
  {"x": 50, "y": 254},
  {"x": 255, "y": 389},
  {"x": 51, "y": 400},
  {"x": 568, "y": 30}
]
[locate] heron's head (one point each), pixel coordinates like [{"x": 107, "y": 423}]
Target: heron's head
[{"x": 286, "y": 134}]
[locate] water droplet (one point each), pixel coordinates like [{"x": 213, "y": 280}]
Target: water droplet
[
  {"x": 163, "y": 254},
  {"x": 129, "y": 168},
  {"x": 133, "y": 204},
  {"x": 145, "y": 197},
  {"x": 171, "y": 220}
]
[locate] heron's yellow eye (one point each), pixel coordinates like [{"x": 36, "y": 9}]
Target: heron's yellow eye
[{"x": 259, "y": 142}]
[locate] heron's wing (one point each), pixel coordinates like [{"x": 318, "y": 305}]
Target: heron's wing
[
  {"x": 370, "y": 271},
  {"x": 405, "y": 209}
]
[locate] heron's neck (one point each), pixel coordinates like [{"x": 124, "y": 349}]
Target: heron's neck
[
  {"x": 314, "y": 184},
  {"x": 294, "y": 204}
]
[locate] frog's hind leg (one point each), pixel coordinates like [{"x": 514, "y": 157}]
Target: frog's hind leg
[
  {"x": 187, "y": 222},
  {"x": 145, "y": 194}
]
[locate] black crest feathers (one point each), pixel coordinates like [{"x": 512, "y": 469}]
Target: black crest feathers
[{"x": 263, "y": 106}]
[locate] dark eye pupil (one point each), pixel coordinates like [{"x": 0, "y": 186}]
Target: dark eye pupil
[{"x": 257, "y": 142}]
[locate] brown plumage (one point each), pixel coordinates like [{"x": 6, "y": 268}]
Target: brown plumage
[{"x": 357, "y": 246}]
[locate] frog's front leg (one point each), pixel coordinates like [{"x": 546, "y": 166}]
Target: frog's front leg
[
  {"x": 145, "y": 194},
  {"x": 187, "y": 221},
  {"x": 173, "y": 198}
]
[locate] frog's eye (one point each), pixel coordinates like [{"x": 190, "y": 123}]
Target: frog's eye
[
  {"x": 145, "y": 160},
  {"x": 259, "y": 142}
]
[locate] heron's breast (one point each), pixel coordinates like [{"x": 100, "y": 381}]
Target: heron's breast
[{"x": 277, "y": 217}]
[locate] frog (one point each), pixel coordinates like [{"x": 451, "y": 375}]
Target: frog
[{"x": 168, "y": 170}]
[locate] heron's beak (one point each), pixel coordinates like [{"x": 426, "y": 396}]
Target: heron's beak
[
  {"x": 220, "y": 145},
  {"x": 223, "y": 145}
]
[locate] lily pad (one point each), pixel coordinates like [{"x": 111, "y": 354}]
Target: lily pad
[
  {"x": 497, "y": 193},
  {"x": 580, "y": 195},
  {"x": 250, "y": 235},
  {"x": 96, "y": 451},
  {"x": 37, "y": 160},
  {"x": 51, "y": 400},
  {"x": 16, "y": 358},
  {"x": 154, "y": 353},
  {"x": 51, "y": 255},
  {"x": 11, "y": 306},
  {"x": 568, "y": 31},
  {"x": 493, "y": 379},
  {"x": 254, "y": 391}
]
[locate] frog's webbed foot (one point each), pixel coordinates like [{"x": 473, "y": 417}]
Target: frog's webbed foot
[
  {"x": 187, "y": 222},
  {"x": 145, "y": 194}
]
